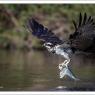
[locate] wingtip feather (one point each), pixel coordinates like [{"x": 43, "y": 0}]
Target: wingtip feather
[
  {"x": 74, "y": 23},
  {"x": 80, "y": 20},
  {"x": 84, "y": 19}
]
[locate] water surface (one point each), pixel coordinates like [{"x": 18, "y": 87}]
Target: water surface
[{"x": 38, "y": 71}]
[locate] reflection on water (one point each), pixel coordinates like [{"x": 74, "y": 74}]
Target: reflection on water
[{"x": 38, "y": 71}]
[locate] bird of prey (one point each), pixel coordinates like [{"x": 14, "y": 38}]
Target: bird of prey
[{"x": 81, "y": 40}]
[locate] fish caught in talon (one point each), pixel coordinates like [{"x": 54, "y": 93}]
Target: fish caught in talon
[
  {"x": 65, "y": 71},
  {"x": 81, "y": 40}
]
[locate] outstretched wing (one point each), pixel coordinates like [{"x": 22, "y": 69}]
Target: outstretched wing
[
  {"x": 84, "y": 36},
  {"x": 42, "y": 32}
]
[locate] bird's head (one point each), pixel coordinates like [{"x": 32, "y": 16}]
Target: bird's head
[{"x": 50, "y": 47}]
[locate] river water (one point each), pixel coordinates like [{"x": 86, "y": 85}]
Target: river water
[{"x": 38, "y": 71}]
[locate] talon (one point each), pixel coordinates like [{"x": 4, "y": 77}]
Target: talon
[
  {"x": 64, "y": 64},
  {"x": 60, "y": 66}
]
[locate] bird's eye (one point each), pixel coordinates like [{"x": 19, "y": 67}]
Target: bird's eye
[{"x": 50, "y": 45}]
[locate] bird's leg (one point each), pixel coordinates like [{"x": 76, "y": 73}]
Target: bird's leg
[
  {"x": 67, "y": 62},
  {"x": 64, "y": 64}
]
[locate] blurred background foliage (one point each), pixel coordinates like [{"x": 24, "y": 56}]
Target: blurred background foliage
[{"x": 57, "y": 17}]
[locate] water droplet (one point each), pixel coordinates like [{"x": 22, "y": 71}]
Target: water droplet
[{"x": 61, "y": 87}]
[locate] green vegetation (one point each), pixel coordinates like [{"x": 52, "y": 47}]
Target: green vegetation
[{"x": 13, "y": 19}]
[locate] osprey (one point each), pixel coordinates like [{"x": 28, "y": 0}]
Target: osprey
[{"x": 81, "y": 40}]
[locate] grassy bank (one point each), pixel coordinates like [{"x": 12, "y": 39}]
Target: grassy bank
[{"x": 58, "y": 18}]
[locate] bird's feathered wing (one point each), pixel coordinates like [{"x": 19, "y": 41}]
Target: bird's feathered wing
[
  {"x": 42, "y": 32},
  {"x": 84, "y": 36}
]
